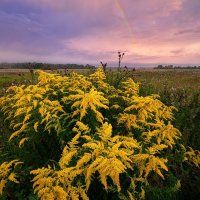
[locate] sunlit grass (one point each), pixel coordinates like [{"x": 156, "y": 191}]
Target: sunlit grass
[
  {"x": 187, "y": 79},
  {"x": 7, "y": 79}
]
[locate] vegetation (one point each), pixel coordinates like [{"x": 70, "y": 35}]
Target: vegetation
[
  {"x": 44, "y": 66},
  {"x": 176, "y": 67},
  {"x": 94, "y": 137},
  {"x": 180, "y": 88},
  {"x": 8, "y": 79}
]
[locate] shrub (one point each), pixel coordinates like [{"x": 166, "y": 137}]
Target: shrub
[{"x": 81, "y": 138}]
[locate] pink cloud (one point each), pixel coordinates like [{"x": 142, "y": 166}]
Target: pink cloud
[{"x": 93, "y": 30}]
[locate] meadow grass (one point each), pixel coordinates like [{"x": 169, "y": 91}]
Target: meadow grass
[
  {"x": 187, "y": 79},
  {"x": 8, "y": 79},
  {"x": 159, "y": 79}
]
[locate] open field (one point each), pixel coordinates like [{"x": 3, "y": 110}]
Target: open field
[
  {"x": 10, "y": 77},
  {"x": 160, "y": 79}
]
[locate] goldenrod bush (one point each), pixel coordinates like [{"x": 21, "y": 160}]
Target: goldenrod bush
[{"x": 77, "y": 137}]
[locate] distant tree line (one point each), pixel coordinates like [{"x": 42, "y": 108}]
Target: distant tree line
[
  {"x": 176, "y": 67},
  {"x": 44, "y": 66}
]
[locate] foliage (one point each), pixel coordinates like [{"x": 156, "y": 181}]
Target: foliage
[
  {"x": 7, "y": 174},
  {"x": 180, "y": 88},
  {"x": 80, "y": 137}
]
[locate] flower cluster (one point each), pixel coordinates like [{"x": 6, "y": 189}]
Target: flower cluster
[{"x": 105, "y": 134}]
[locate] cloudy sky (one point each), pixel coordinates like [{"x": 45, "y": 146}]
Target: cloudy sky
[{"x": 89, "y": 31}]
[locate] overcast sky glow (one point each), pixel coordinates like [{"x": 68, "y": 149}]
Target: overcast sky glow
[{"x": 89, "y": 31}]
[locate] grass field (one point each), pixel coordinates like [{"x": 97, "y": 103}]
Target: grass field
[
  {"x": 10, "y": 77},
  {"x": 160, "y": 79}
]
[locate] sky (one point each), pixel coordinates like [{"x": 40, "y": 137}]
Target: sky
[{"x": 90, "y": 31}]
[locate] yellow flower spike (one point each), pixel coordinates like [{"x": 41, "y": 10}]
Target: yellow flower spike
[
  {"x": 7, "y": 173},
  {"x": 129, "y": 120},
  {"x": 59, "y": 193},
  {"x": 130, "y": 88},
  {"x": 16, "y": 133},
  {"x": 177, "y": 186},
  {"x": 105, "y": 132},
  {"x": 155, "y": 164},
  {"x": 155, "y": 148},
  {"x": 142, "y": 193},
  {"x": 36, "y": 126},
  {"x": 83, "y": 194},
  {"x": 131, "y": 196},
  {"x": 91, "y": 100},
  {"x": 99, "y": 75},
  {"x": 12, "y": 177},
  {"x": 84, "y": 159},
  {"x": 98, "y": 79},
  {"x": 192, "y": 156},
  {"x": 149, "y": 107},
  {"x": 66, "y": 158},
  {"x": 22, "y": 141},
  {"x": 82, "y": 127}
]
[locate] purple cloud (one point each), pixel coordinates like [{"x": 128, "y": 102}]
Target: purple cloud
[{"x": 93, "y": 30}]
